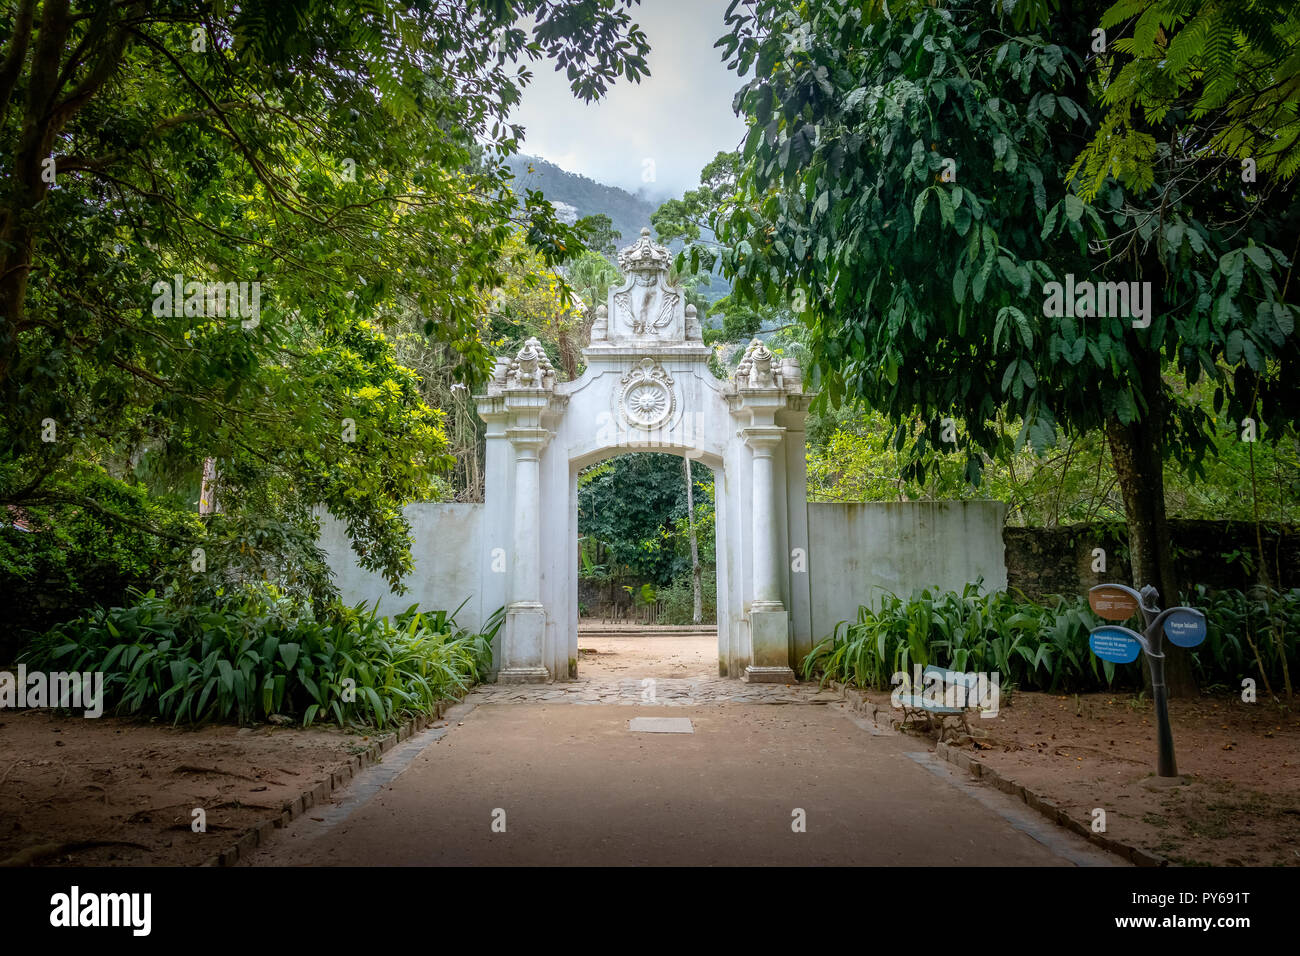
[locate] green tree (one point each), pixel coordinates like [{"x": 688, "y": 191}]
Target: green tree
[
  {"x": 346, "y": 163},
  {"x": 598, "y": 234},
  {"x": 1228, "y": 71},
  {"x": 636, "y": 507},
  {"x": 907, "y": 178},
  {"x": 690, "y": 218}
]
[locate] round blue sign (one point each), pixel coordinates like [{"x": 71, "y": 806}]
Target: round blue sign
[
  {"x": 1185, "y": 627},
  {"x": 1116, "y": 644}
]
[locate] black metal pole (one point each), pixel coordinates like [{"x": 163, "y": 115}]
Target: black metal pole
[{"x": 1165, "y": 766}]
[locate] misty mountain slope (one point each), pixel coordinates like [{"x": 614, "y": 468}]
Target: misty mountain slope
[{"x": 628, "y": 212}]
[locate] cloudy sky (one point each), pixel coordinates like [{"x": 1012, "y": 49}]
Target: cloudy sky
[{"x": 657, "y": 134}]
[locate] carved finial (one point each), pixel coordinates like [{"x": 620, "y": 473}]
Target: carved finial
[
  {"x": 693, "y": 331},
  {"x": 760, "y": 374},
  {"x": 600, "y": 327},
  {"x": 531, "y": 368},
  {"x": 755, "y": 368},
  {"x": 644, "y": 255}
]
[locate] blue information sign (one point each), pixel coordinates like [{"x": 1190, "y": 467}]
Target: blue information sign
[
  {"x": 1113, "y": 643},
  {"x": 1185, "y": 627}
]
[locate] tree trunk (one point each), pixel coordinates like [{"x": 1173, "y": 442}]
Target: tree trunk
[
  {"x": 568, "y": 355},
  {"x": 44, "y": 116},
  {"x": 208, "y": 488},
  {"x": 697, "y": 612},
  {"x": 1137, "y": 450}
]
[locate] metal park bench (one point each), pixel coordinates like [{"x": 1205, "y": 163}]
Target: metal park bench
[{"x": 959, "y": 697}]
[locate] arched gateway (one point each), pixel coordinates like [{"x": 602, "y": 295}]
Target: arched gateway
[{"x": 647, "y": 387}]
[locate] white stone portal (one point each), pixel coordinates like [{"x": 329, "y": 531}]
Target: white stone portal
[{"x": 647, "y": 387}]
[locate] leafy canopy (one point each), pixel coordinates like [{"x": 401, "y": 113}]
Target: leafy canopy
[{"x": 905, "y": 178}]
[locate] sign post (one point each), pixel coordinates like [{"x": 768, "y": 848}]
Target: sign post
[{"x": 1184, "y": 626}]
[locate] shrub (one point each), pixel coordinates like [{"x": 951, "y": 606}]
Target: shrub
[
  {"x": 1045, "y": 647},
  {"x": 72, "y": 557},
  {"x": 265, "y": 654},
  {"x": 677, "y": 602},
  {"x": 1252, "y": 634}
]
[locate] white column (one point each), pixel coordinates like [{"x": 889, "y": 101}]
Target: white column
[
  {"x": 796, "y": 573},
  {"x": 767, "y": 586},
  {"x": 527, "y": 587},
  {"x": 524, "y": 646},
  {"x": 498, "y": 484},
  {"x": 769, "y": 622}
]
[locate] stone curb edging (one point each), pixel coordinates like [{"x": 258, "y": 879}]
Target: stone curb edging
[
  {"x": 259, "y": 834},
  {"x": 963, "y": 760}
]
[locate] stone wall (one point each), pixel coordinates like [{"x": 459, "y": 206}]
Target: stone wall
[
  {"x": 1218, "y": 554},
  {"x": 857, "y": 551},
  {"x": 446, "y": 554},
  {"x": 860, "y": 550}
]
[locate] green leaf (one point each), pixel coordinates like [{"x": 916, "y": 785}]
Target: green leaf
[
  {"x": 289, "y": 654},
  {"x": 1010, "y": 374},
  {"x": 1050, "y": 222},
  {"x": 1022, "y": 323},
  {"x": 1027, "y": 374},
  {"x": 918, "y": 207}
]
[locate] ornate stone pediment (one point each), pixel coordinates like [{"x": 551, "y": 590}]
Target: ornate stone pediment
[{"x": 646, "y": 310}]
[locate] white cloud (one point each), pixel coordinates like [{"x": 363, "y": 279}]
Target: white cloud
[{"x": 678, "y": 118}]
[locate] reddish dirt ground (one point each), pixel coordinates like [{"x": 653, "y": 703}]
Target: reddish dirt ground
[
  {"x": 1236, "y": 802},
  {"x": 68, "y": 780},
  {"x": 133, "y": 786}
]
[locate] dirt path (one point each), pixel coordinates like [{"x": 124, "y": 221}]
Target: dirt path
[
  {"x": 603, "y": 655},
  {"x": 574, "y": 785}
]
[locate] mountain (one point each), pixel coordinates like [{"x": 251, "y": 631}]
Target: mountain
[
  {"x": 575, "y": 196},
  {"x": 629, "y": 213}
]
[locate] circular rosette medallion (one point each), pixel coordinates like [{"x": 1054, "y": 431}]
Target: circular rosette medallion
[{"x": 647, "y": 399}]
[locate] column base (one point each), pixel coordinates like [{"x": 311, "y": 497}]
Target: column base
[
  {"x": 524, "y": 675},
  {"x": 768, "y": 675},
  {"x": 523, "y": 644},
  {"x": 769, "y": 630}
]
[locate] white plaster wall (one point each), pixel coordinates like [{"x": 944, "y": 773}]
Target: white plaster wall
[
  {"x": 797, "y": 574},
  {"x": 859, "y": 550},
  {"x": 446, "y": 548}
]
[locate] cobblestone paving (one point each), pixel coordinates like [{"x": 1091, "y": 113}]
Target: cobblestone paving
[{"x": 653, "y": 691}]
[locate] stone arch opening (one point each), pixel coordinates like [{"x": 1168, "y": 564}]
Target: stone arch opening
[{"x": 716, "y": 468}]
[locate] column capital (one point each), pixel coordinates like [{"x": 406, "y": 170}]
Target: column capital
[
  {"x": 491, "y": 408},
  {"x": 763, "y": 438},
  {"x": 528, "y": 439}
]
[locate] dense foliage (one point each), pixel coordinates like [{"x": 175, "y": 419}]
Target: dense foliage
[
  {"x": 214, "y": 219},
  {"x": 907, "y": 182},
  {"x": 851, "y": 458},
  {"x": 632, "y": 515},
  {"x": 1045, "y": 647},
  {"x": 264, "y": 655}
]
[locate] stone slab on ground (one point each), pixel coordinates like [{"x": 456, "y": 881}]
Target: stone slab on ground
[{"x": 660, "y": 725}]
